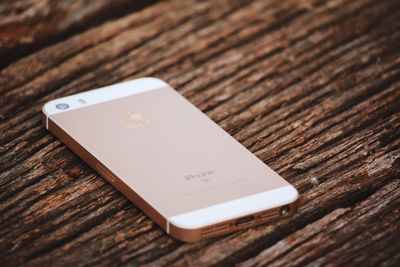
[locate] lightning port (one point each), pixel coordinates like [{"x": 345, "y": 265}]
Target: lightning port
[{"x": 244, "y": 220}]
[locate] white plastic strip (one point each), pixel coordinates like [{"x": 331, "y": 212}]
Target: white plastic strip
[
  {"x": 102, "y": 95},
  {"x": 234, "y": 208}
]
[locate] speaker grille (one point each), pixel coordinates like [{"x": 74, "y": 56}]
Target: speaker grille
[
  {"x": 268, "y": 215},
  {"x": 227, "y": 226},
  {"x": 219, "y": 228}
]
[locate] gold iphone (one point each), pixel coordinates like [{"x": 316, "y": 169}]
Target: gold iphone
[{"x": 173, "y": 162}]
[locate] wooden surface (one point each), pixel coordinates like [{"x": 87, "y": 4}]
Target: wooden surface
[{"x": 311, "y": 87}]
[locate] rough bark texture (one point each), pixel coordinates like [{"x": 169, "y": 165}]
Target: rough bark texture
[
  {"x": 311, "y": 87},
  {"x": 27, "y": 25}
]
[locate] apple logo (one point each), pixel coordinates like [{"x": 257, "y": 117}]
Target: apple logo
[{"x": 133, "y": 120}]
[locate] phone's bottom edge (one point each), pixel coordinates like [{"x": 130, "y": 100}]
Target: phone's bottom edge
[{"x": 233, "y": 225}]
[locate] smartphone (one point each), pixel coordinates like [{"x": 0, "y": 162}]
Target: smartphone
[{"x": 172, "y": 161}]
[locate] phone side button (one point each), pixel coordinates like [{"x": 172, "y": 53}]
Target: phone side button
[{"x": 105, "y": 173}]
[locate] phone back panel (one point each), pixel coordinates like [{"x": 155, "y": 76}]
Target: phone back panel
[{"x": 170, "y": 153}]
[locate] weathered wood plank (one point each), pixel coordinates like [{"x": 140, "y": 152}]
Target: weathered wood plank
[
  {"x": 25, "y": 25},
  {"x": 312, "y": 88},
  {"x": 346, "y": 236}
]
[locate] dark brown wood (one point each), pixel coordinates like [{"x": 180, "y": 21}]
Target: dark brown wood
[
  {"x": 311, "y": 87},
  {"x": 334, "y": 239},
  {"x": 26, "y": 26}
]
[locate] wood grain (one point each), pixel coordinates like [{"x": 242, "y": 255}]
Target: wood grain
[
  {"x": 339, "y": 241},
  {"x": 311, "y": 87},
  {"x": 27, "y": 26}
]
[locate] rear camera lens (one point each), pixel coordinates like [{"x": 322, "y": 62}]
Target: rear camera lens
[{"x": 62, "y": 106}]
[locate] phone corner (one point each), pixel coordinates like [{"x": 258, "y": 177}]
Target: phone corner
[
  {"x": 45, "y": 108},
  {"x": 48, "y": 108},
  {"x": 45, "y": 114},
  {"x": 292, "y": 193},
  {"x": 187, "y": 235}
]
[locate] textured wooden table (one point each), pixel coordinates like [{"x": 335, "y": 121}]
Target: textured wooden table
[{"x": 311, "y": 87}]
